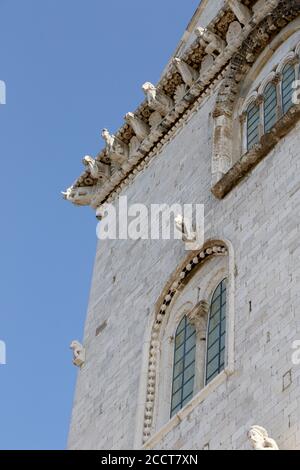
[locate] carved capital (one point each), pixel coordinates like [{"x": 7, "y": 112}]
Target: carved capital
[
  {"x": 243, "y": 117},
  {"x": 277, "y": 78},
  {"x": 259, "y": 100},
  {"x": 198, "y": 317}
]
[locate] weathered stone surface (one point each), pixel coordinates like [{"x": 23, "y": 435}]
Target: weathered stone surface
[{"x": 134, "y": 281}]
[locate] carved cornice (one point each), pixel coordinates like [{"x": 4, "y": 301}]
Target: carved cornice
[{"x": 228, "y": 62}]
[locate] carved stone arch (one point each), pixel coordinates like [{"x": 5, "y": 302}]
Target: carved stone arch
[
  {"x": 290, "y": 58},
  {"x": 253, "y": 47},
  {"x": 249, "y": 100},
  {"x": 269, "y": 79},
  {"x": 176, "y": 284}
]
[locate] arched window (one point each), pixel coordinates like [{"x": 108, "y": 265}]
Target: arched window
[
  {"x": 270, "y": 106},
  {"x": 184, "y": 365},
  {"x": 253, "y": 115},
  {"x": 215, "y": 356},
  {"x": 288, "y": 77}
]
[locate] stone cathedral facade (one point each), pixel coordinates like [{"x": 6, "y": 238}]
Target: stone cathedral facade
[{"x": 197, "y": 349}]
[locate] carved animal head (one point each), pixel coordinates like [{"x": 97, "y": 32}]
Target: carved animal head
[
  {"x": 75, "y": 345},
  {"x": 147, "y": 87},
  {"x": 129, "y": 117},
  {"x": 68, "y": 193},
  {"x": 87, "y": 160}
]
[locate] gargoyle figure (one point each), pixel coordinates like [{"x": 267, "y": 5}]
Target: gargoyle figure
[
  {"x": 98, "y": 170},
  {"x": 157, "y": 100},
  {"x": 210, "y": 41},
  {"x": 188, "y": 74},
  {"x": 260, "y": 440},
  {"x": 78, "y": 353},
  {"x": 80, "y": 196},
  {"x": 116, "y": 149},
  {"x": 140, "y": 128},
  {"x": 184, "y": 226}
]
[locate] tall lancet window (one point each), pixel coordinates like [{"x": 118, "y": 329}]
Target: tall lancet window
[
  {"x": 270, "y": 106},
  {"x": 288, "y": 77},
  {"x": 253, "y": 122},
  {"x": 184, "y": 365},
  {"x": 215, "y": 356}
]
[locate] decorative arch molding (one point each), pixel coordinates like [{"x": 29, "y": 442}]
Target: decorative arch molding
[
  {"x": 290, "y": 58},
  {"x": 177, "y": 282},
  {"x": 251, "y": 99},
  {"x": 239, "y": 67},
  {"x": 271, "y": 78}
]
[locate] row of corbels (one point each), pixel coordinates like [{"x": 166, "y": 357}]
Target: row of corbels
[{"x": 121, "y": 157}]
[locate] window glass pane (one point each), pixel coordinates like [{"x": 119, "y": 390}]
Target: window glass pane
[
  {"x": 213, "y": 350},
  {"x": 178, "y": 369},
  {"x": 190, "y": 329},
  {"x": 187, "y": 399},
  {"x": 213, "y": 336},
  {"x": 223, "y": 326},
  {"x": 212, "y": 367},
  {"x": 222, "y": 341},
  {"x": 179, "y": 353},
  {"x": 190, "y": 342},
  {"x": 270, "y": 106},
  {"x": 175, "y": 410},
  {"x": 177, "y": 384},
  {"x": 190, "y": 357},
  {"x": 215, "y": 307},
  {"x": 179, "y": 339},
  {"x": 215, "y": 320},
  {"x": 188, "y": 388},
  {"x": 253, "y": 115},
  {"x": 216, "y": 333},
  {"x": 184, "y": 365},
  {"x": 288, "y": 77},
  {"x": 189, "y": 373},
  {"x": 176, "y": 399}
]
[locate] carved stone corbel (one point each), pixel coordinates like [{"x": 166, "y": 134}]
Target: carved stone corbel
[
  {"x": 240, "y": 10},
  {"x": 98, "y": 170},
  {"x": 210, "y": 41},
  {"x": 206, "y": 66},
  {"x": 188, "y": 74},
  {"x": 140, "y": 128},
  {"x": 80, "y": 196},
  {"x": 78, "y": 353},
  {"x": 116, "y": 150},
  {"x": 157, "y": 100},
  {"x": 234, "y": 33}
]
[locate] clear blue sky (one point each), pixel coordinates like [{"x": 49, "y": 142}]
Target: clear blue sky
[{"x": 71, "y": 68}]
